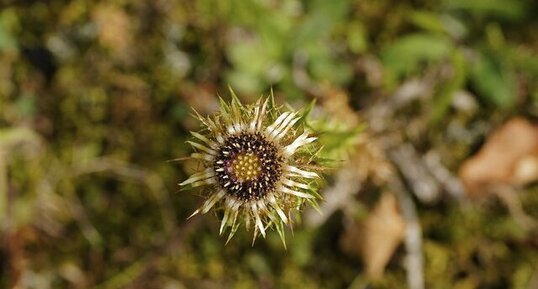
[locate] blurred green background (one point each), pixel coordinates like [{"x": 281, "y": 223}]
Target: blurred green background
[{"x": 95, "y": 99}]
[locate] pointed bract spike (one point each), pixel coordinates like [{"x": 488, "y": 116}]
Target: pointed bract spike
[
  {"x": 309, "y": 107},
  {"x": 297, "y": 143},
  {"x": 224, "y": 220},
  {"x": 232, "y": 233},
  {"x": 301, "y": 173},
  {"x": 247, "y": 224},
  {"x": 204, "y": 157},
  {"x": 274, "y": 221},
  {"x": 271, "y": 99},
  {"x": 236, "y": 106},
  {"x": 281, "y": 214},
  {"x": 261, "y": 117},
  {"x": 194, "y": 214},
  {"x": 291, "y": 229},
  {"x": 258, "y": 102},
  {"x": 255, "y": 235},
  {"x": 305, "y": 112},
  {"x": 202, "y": 148},
  {"x": 206, "y": 121},
  {"x": 222, "y": 102},
  {"x": 254, "y": 121},
  {"x": 207, "y": 173},
  {"x": 211, "y": 125},
  {"x": 209, "y": 203},
  {"x": 284, "y": 125},
  {"x": 280, "y": 230},
  {"x": 198, "y": 116},
  {"x": 296, "y": 193},
  {"x": 289, "y": 126},
  {"x": 204, "y": 139},
  {"x": 234, "y": 226},
  {"x": 259, "y": 224},
  {"x": 208, "y": 181},
  {"x": 234, "y": 96},
  {"x": 315, "y": 205},
  {"x": 225, "y": 109},
  {"x": 288, "y": 118},
  {"x": 291, "y": 184},
  {"x": 278, "y": 121}
]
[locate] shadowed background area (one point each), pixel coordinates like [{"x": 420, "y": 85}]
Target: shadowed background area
[{"x": 429, "y": 109}]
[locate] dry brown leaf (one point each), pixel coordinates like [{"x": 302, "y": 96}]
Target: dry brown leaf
[
  {"x": 509, "y": 156},
  {"x": 335, "y": 102},
  {"x": 378, "y": 237}
]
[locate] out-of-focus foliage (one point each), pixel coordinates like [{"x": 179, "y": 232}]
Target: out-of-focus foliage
[{"x": 95, "y": 99}]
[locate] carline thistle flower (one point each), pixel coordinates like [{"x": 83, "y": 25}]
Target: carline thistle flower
[{"x": 258, "y": 165}]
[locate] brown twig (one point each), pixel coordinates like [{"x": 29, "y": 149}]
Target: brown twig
[
  {"x": 413, "y": 236},
  {"x": 410, "y": 164}
]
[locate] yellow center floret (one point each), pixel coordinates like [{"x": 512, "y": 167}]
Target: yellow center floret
[{"x": 246, "y": 167}]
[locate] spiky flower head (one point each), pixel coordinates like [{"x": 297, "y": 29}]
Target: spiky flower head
[{"x": 258, "y": 165}]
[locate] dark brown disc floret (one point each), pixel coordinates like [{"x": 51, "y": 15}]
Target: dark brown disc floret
[{"x": 248, "y": 166}]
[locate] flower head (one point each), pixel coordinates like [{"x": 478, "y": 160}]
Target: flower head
[{"x": 257, "y": 165}]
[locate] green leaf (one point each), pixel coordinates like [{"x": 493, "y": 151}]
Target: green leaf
[
  {"x": 494, "y": 81},
  {"x": 405, "y": 54},
  {"x": 446, "y": 92},
  {"x": 438, "y": 23},
  {"x": 357, "y": 39},
  {"x": 507, "y": 9},
  {"x": 427, "y": 20},
  {"x": 321, "y": 19}
]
